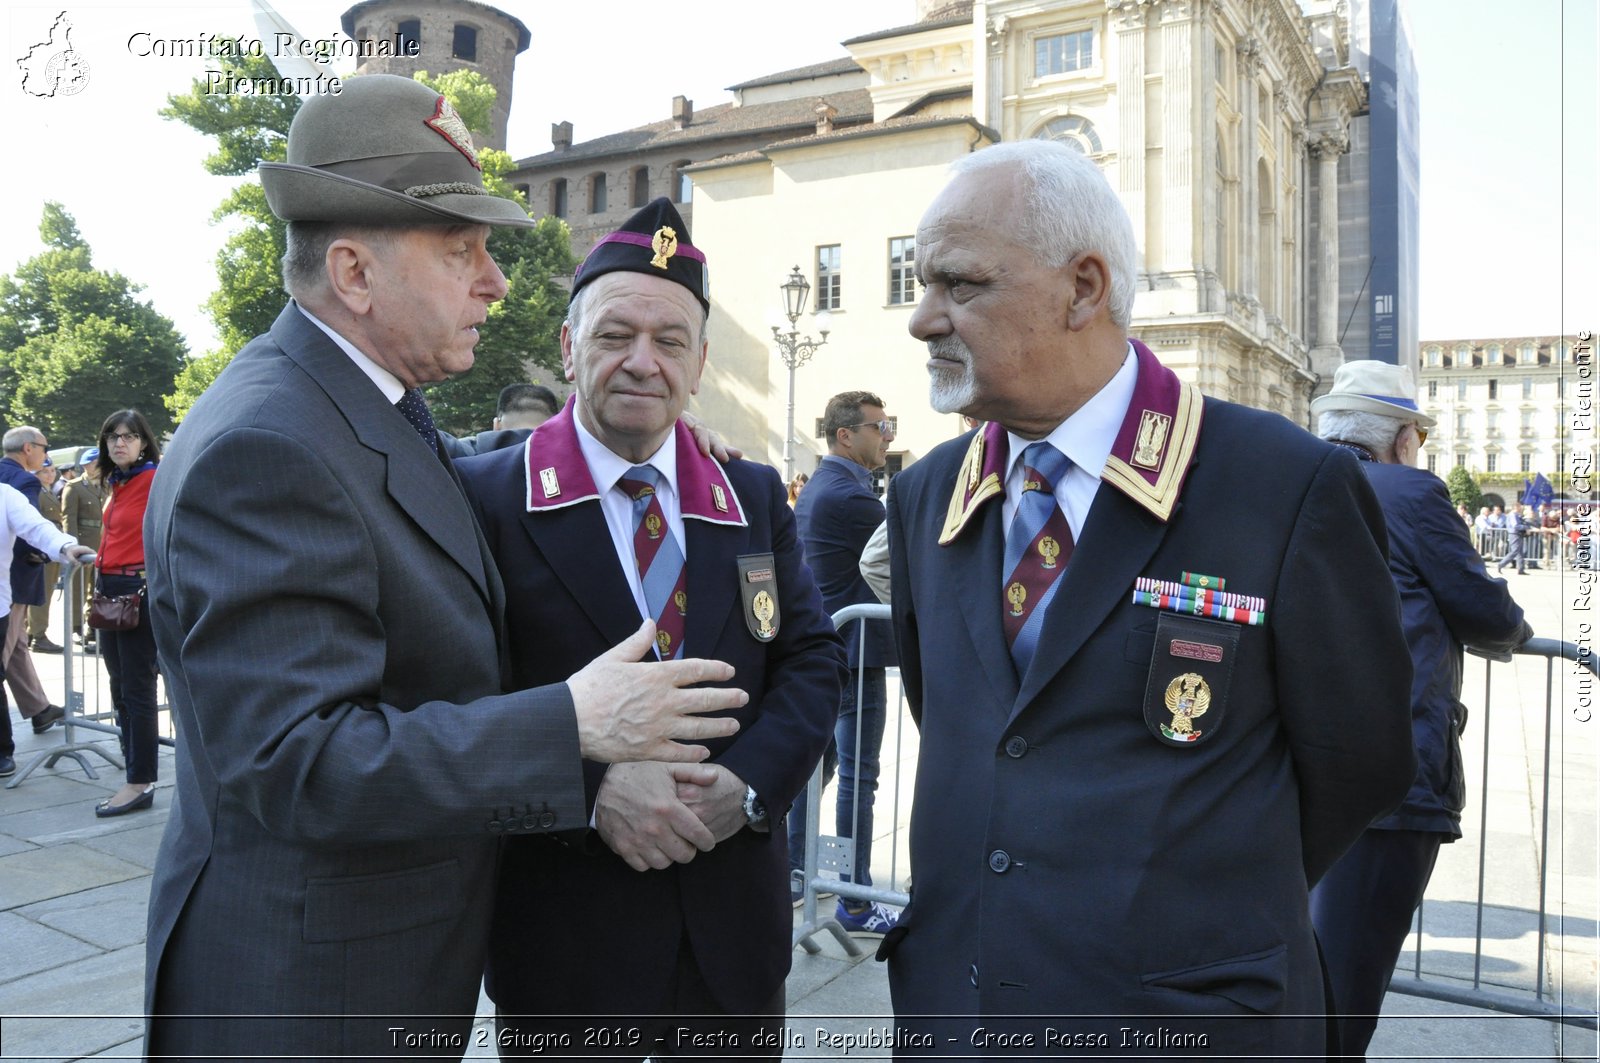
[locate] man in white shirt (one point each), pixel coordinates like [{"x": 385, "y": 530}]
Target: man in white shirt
[{"x": 19, "y": 520}]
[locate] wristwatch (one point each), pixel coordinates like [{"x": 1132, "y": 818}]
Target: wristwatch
[{"x": 755, "y": 813}]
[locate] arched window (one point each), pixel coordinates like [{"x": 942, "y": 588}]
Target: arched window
[
  {"x": 1074, "y": 131},
  {"x": 641, "y": 185},
  {"x": 408, "y": 36},
  {"x": 558, "y": 197},
  {"x": 465, "y": 44},
  {"x": 597, "y": 194}
]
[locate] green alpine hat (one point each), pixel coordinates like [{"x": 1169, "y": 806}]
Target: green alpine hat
[{"x": 385, "y": 150}]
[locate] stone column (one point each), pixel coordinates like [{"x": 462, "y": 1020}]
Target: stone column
[
  {"x": 1177, "y": 137},
  {"x": 1130, "y": 21},
  {"x": 1250, "y": 239},
  {"x": 1326, "y": 355}
]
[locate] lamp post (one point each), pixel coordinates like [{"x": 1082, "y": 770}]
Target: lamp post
[{"x": 795, "y": 350}]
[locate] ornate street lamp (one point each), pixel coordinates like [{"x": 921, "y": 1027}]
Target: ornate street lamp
[{"x": 795, "y": 350}]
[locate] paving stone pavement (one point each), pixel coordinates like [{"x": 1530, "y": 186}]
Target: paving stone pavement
[{"x": 73, "y": 888}]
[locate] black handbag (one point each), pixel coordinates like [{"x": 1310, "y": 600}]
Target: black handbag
[{"x": 115, "y": 612}]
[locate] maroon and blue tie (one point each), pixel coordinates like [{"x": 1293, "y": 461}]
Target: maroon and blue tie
[
  {"x": 660, "y": 561},
  {"x": 1038, "y": 545}
]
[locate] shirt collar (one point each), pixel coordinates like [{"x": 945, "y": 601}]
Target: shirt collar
[
  {"x": 607, "y": 466},
  {"x": 1087, "y": 436},
  {"x": 386, "y": 381},
  {"x": 855, "y": 469}
]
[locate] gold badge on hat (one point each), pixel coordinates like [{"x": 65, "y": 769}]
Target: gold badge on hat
[
  {"x": 665, "y": 244},
  {"x": 547, "y": 480},
  {"x": 1188, "y": 697},
  {"x": 1153, "y": 429}
]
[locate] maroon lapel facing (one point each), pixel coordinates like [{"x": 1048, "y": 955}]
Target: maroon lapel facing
[
  {"x": 564, "y": 521},
  {"x": 575, "y": 542}
]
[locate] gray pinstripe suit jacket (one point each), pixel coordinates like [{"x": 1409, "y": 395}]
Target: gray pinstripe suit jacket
[{"x": 329, "y": 628}]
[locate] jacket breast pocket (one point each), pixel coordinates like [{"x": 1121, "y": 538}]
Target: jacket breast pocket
[{"x": 366, "y": 906}]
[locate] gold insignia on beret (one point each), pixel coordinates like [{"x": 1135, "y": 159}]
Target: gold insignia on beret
[{"x": 665, "y": 244}]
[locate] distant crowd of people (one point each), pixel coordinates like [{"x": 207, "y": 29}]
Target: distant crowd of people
[{"x": 1524, "y": 535}]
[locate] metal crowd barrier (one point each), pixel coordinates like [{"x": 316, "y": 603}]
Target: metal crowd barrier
[
  {"x": 1541, "y": 1002},
  {"x": 829, "y": 858},
  {"x": 86, "y": 695}
]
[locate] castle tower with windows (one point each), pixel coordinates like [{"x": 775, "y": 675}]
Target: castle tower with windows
[{"x": 444, "y": 35}]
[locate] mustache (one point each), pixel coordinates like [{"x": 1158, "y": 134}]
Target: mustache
[{"x": 951, "y": 349}]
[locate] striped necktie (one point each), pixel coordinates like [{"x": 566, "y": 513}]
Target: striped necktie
[
  {"x": 1038, "y": 545},
  {"x": 660, "y": 560}
]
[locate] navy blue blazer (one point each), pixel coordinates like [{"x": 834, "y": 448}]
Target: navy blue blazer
[
  {"x": 1447, "y": 598},
  {"x": 576, "y": 929},
  {"x": 1070, "y": 859},
  {"x": 27, "y": 572},
  {"x": 837, "y": 516}
]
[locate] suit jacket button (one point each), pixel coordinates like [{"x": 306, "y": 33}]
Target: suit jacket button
[
  {"x": 1016, "y": 746},
  {"x": 999, "y": 861},
  {"x": 547, "y": 820}
]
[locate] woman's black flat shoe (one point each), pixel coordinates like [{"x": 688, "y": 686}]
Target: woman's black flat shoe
[{"x": 106, "y": 809}]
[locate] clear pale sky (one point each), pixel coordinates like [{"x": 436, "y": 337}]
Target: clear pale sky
[{"x": 1510, "y": 188}]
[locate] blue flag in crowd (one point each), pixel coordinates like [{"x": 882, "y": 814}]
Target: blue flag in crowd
[{"x": 1538, "y": 493}]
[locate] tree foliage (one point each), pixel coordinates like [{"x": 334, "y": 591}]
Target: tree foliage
[
  {"x": 75, "y": 342},
  {"x": 523, "y": 329},
  {"x": 1463, "y": 489}
]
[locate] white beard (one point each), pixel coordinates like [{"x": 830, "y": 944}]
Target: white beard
[{"x": 951, "y": 390}]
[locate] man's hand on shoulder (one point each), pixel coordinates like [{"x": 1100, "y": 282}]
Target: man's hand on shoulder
[
  {"x": 710, "y": 443},
  {"x": 631, "y": 709},
  {"x": 639, "y": 815}
]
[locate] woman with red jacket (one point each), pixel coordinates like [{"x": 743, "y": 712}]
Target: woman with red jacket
[{"x": 129, "y": 453}]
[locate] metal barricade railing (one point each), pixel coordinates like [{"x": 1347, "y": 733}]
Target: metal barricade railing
[
  {"x": 829, "y": 858},
  {"x": 1436, "y": 985},
  {"x": 86, "y": 695}
]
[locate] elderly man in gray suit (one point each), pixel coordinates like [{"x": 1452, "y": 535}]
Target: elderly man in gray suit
[{"x": 329, "y": 624}]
